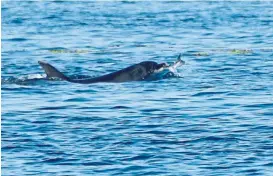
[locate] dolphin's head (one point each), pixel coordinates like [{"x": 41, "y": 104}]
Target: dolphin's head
[
  {"x": 161, "y": 67},
  {"x": 153, "y": 67}
]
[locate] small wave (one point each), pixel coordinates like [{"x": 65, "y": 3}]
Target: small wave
[
  {"x": 18, "y": 39},
  {"x": 207, "y": 93},
  {"x": 259, "y": 105},
  {"x": 139, "y": 157},
  {"x": 17, "y": 20},
  {"x": 120, "y": 107},
  {"x": 53, "y": 160},
  {"x": 77, "y": 100},
  {"x": 54, "y": 107},
  {"x": 98, "y": 163},
  {"x": 211, "y": 139}
]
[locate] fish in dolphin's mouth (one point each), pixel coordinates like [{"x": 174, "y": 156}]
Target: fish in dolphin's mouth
[
  {"x": 179, "y": 62},
  {"x": 172, "y": 67}
]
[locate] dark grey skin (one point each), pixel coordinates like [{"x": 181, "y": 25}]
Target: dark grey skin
[{"x": 135, "y": 72}]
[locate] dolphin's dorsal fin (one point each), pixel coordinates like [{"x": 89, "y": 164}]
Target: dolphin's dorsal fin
[{"x": 52, "y": 71}]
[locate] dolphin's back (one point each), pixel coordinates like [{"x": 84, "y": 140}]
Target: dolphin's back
[{"x": 133, "y": 73}]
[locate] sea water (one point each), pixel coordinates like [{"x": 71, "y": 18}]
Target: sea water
[{"x": 214, "y": 119}]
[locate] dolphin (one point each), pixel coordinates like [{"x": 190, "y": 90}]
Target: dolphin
[{"x": 136, "y": 72}]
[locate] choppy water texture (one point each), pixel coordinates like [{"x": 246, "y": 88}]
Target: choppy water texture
[{"x": 215, "y": 120}]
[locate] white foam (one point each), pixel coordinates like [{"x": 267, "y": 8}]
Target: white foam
[{"x": 32, "y": 76}]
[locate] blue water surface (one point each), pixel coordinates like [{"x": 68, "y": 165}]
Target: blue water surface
[{"x": 215, "y": 119}]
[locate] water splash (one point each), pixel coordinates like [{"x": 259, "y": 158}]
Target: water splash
[{"x": 23, "y": 80}]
